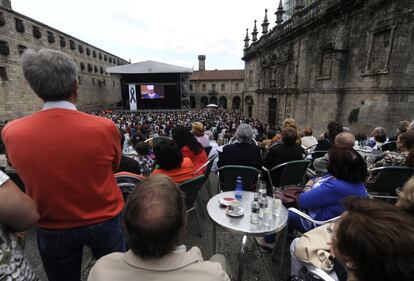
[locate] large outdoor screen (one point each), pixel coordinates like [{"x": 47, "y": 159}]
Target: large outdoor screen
[{"x": 152, "y": 91}]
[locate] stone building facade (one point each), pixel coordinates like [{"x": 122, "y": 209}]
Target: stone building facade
[
  {"x": 17, "y": 33},
  {"x": 346, "y": 60},
  {"x": 224, "y": 88}
]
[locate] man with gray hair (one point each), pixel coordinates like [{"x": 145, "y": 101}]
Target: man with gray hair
[
  {"x": 242, "y": 151},
  {"x": 66, "y": 159}
]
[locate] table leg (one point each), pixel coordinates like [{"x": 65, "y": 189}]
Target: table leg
[
  {"x": 241, "y": 258},
  {"x": 269, "y": 274},
  {"x": 214, "y": 238},
  {"x": 282, "y": 250}
]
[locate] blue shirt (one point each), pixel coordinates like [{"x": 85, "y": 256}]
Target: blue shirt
[{"x": 324, "y": 201}]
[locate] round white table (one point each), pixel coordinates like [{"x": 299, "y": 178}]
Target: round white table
[{"x": 242, "y": 224}]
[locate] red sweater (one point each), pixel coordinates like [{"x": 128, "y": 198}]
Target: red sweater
[
  {"x": 198, "y": 159},
  {"x": 66, "y": 159}
]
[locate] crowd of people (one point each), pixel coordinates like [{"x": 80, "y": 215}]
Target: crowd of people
[{"x": 68, "y": 160}]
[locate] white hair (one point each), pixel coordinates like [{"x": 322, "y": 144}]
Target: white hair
[
  {"x": 244, "y": 133},
  {"x": 51, "y": 74}
]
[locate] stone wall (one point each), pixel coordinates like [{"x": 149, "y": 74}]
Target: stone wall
[
  {"x": 17, "y": 32},
  {"x": 333, "y": 58},
  {"x": 230, "y": 91}
]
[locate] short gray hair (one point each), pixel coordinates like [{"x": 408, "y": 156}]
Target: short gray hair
[
  {"x": 244, "y": 133},
  {"x": 51, "y": 74},
  {"x": 209, "y": 134}
]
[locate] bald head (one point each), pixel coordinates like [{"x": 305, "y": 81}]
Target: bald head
[
  {"x": 155, "y": 217},
  {"x": 345, "y": 139}
]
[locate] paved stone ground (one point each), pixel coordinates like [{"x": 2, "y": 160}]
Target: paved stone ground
[{"x": 228, "y": 244}]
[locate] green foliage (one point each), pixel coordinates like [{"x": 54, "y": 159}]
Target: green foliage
[{"x": 353, "y": 115}]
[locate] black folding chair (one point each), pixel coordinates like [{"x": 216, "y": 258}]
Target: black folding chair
[
  {"x": 191, "y": 188},
  {"x": 388, "y": 179},
  {"x": 127, "y": 182},
  {"x": 289, "y": 173},
  {"x": 228, "y": 176}
]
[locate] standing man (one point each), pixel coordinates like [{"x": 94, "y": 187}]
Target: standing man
[{"x": 66, "y": 159}]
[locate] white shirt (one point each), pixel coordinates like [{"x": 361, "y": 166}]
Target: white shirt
[{"x": 59, "y": 104}]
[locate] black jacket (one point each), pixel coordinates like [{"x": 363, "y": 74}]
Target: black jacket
[{"x": 244, "y": 154}]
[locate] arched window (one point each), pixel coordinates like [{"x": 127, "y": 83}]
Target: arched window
[
  {"x": 236, "y": 103},
  {"x": 192, "y": 102},
  {"x": 223, "y": 102},
  {"x": 203, "y": 102}
]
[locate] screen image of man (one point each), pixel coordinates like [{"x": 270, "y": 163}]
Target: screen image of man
[{"x": 150, "y": 93}]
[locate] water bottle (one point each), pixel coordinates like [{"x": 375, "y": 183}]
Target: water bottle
[
  {"x": 254, "y": 217},
  {"x": 263, "y": 205},
  {"x": 238, "y": 194}
]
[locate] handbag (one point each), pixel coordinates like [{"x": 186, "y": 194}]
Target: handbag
[
  {"x": 290, "y": 195},
  {"x": 313, "y": 248}
]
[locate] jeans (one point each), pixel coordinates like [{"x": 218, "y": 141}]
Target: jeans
[{"x": 61, "y": 250}]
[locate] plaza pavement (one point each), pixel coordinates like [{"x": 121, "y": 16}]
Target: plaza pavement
[{"x": 228, "y": 244}]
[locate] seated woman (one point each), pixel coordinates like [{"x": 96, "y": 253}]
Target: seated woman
[
  {"x": 406, "y": 197},
  {"x": 322, "y": 198},
  {"x": 170, "y": 161},
  {"x": 403, "y": 157},
  {"x": 318, "y": 238},
  {"x": 374, "y": 241},
  {"x": 18, "y": 212},
  {"x": 287, "y": 151},
  {"x": 190, "y": 147}
]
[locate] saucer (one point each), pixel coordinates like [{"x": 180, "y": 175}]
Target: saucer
[
  {"x": 226, "y": 201},
  {"x": 236, "y": 212}
]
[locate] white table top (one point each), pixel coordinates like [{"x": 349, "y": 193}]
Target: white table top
[{"x": 243, "y": 224}]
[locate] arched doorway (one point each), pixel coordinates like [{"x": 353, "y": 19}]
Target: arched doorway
[
  {"x": 213, "y": 100},
  {"x": 249, "y": 105},
  {"x": 236, "y": 103},
  {"x": 203, "y": 102},
  {"x": 223, "y": 102},
  {"x": 192, "y": 102}
]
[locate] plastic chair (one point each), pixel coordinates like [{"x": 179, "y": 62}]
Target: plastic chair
[
  {"x": 388, "y": 179},
  {"x": 319, "y": 273},
  {"x": 154, "y": 141},
  {"x": 208, "y": 165},
  {"x": 127, "y": 182},
  {"x": 318, "y": 153},
  {"x": 229, "y": 173},
  {"x": 292, "y": 173},
  {"x": 191, "y": 188}
]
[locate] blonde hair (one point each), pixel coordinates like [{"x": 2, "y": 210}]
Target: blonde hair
[{"x": 289, "y": 123}]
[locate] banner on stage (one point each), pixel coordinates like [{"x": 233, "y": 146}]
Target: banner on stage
[{"x": 132, "y": 97}]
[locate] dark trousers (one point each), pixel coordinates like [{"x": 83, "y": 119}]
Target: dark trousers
[{"x": 61, "y": 250}]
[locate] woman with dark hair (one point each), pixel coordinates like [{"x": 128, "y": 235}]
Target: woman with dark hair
[
  {"x": 333, "y": 129},
  {"x": 170, "y": 161},
  {"x": 403, "y": 157},
  {"x": 374, "y": 241},
  {"x": 190, "y": 147},
  {"x": 323, "y": 197}
]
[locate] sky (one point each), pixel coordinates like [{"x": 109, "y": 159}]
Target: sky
[{"x": 169, "y": 31}]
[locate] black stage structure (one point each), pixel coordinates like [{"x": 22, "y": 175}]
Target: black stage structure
[{"x": 151, "y": 85}]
